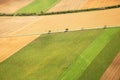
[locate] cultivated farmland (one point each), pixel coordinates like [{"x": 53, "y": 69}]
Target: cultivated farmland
[
  {"x": 52, "y": 56},
  {"x": 54, "y": 52},
  {"x": 113, "y": 71},
  {"x": 21, "y": 26},
  {"x": 38, "y": 6},
  {"x": 11, "y": 6},
  {"x": 65, "y": 5},
  {"x": 100, "y": 3},
  {"x": 48, "y": 48}
]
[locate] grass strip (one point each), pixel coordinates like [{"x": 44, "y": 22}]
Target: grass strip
[
  {"x": 98, "y": 66},
  {"x": 88, "y": 55}
]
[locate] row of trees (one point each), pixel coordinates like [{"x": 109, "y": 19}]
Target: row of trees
[
  {"x": 61, "y": 12},
  {"x": 66, "y": 30}
]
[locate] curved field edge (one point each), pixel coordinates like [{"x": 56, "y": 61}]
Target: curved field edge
[
  {"x": 88, "y": 55},
  {"x": 98, "y": 66},
  {"x": 47, "y": 57},
  {"x": 38, "y": 6}
]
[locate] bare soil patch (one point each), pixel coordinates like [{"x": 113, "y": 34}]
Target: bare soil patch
[
  {"x": 113, "y": 71},
  {"x": 100, "y": 3},
  {"x": 11, "y": 6}
]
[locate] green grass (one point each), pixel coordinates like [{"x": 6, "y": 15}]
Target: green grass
[
  {"x": 96, "y": 69},
  {"x": 88, "y": 55},
  {"x": 47, "y": 57},
  {"x": 37, "y": 6}
]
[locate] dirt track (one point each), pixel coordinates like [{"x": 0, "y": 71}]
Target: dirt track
[
  {"x": 11, "y": 6},
  {"x": 100, "y": 3},
  {"x": 113, "y": 71},
  {"x": 41, "y": 24}
]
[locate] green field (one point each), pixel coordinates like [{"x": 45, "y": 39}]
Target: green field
[
  {"x": 38, "y": 6},
  {"x": 103, "y": 60},
  {"x": 64, "y": 56},
  {"x": 47, "y": 57}
]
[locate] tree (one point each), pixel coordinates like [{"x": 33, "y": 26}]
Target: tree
[{"x": 66, "y": 30}]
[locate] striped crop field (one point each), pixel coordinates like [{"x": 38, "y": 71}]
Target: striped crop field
[{"x": 75, "y": 55}]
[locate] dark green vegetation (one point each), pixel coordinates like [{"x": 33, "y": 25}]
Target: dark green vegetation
[
  {"x": 47, "y": 57},
  {"x": 38, "y": 6},
  {"x": 103, "y": 60},
  {"x": 40, "y": 13}
]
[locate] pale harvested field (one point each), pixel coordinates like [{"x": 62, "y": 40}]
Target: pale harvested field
[
  {"x": 65, "y": 5},
  {"x": 11, "y": 6},
  {"x": 100, "y": 3},
  {"x": 41, "y": 24},
  {"x": 10, "y": 25},
  {"x": 113, "y": 71},
  {"x": 74, "y": 21}
]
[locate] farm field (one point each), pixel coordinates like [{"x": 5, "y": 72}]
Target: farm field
[
  {"x": 16, "y": 26},
  {"x": 103, "y": 61},
  {"x": 65, "y": 5},
  {"x": 11, "y": 6},
  {"x": 10, "y": 25},
  {"x": 53, "y": 54},
  {"x": 49, "y": 52},
  {"x": 38, "y": 6},
  {"x": 113, "y": 71},
  {"x": 73, "y": 46},
  {"x": 100, "y": 3},
  {"x": 74, "y": 21},
  {"x": 88, "y": 55},
  {"x": 10, "y": 45}
]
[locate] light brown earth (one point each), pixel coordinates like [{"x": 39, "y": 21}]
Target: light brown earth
[
  {"x": 41, "y": 24},
  {"x": 113, "y": 71},
  {"x": 74, "y": 21},
  {"x": 9, "y": 46},
  {"x": 11, "y": 6},
  {"x": 10, "y": 25},
  {"x": 65, "y": 5},
  {"x": 100, "y": 3}
]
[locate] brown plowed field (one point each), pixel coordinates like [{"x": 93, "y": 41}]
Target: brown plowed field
[
  {"x": 41, "y": 24},
  {"x": 11, "y": 6},
  {"x": 113, "y": 71},
  {"x": 100, "y": 3},
  {"x": 65, "y": 5}
]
